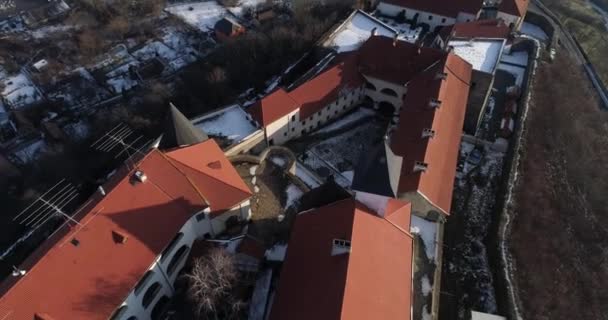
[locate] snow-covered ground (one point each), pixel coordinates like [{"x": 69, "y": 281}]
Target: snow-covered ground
[
  {"x": 293, "y": 194},
  {"x": 482, "y": 54},
  {"x": 240, "y": 8},
  {"x": 534, "y": 31},
  {"x": 201, "y": 15},
  {"x": 231, "y": 122},
  {"x": 48, "y": 31},
  {"x": 122, "y": 83},
  {"x": 345, "y": 121},
  {"x": 19, "y": 90},
  {"x": 155, "y": 49},
  {"x": 406, "y": 33},
  {"x": 355, "y": 32},
  {"x": 427, "y": 230}
]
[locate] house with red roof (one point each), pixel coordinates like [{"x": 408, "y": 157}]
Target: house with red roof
[
  {"x": 133, "y": 237},
  {"x": 346, "y": 261},
  {"x": 513, "y": 12},
  {"x": 434, "y": 13}
]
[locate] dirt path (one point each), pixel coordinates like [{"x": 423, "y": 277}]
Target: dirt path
[{"x": 559, "y": 239}]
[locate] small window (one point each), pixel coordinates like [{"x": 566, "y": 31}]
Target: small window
[
  {"x": 150, "y": 294},
  {"x": 342, "y": 243},
  {"x": 335, "y": 112},
  {"x": 430, "y": 18},
  {"x": 293, "y": 118},
  {"x": 319, "y": 113},
  {"x": 292, "y": 130},
  {"x": 285, "y": 134},
  {"x": 304, "y": 122},
  {"x": 200, "y": 217},
  {"x": 170, "y": 247},
  {"x": 443, "y": 20},
  {"x": 75, "y": 242}
]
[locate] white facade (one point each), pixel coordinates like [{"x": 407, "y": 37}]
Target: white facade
[
  {"x": 432, "y": 19},
  {"x": 292, "y": 126},
  {"x": 158, "y": 282}
]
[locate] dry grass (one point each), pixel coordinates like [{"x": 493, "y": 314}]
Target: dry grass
[{"x": 560, "y": 238}]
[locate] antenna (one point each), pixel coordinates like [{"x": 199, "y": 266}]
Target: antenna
[
  {"x": 50, "y": 204},
  {"x": 121, "y": 139}
]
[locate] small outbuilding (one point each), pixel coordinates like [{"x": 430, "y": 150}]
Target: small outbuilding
[{"x": 227, "y": 28}]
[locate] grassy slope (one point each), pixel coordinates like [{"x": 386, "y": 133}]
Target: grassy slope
[
  {"x": 588, "y": 27},
  {"x": 560, "y": 234}
]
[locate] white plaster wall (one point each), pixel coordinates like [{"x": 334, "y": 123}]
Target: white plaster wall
[
  {"x": 280, "y": 130},
  {"x": 192, "y": 231},
  {"x": 423, "y": 16},
  {"x": 378, "y": 96}
]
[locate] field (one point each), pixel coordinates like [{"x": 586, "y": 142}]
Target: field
[
  {"x": 589, "y": 28},
  {"x": 559, "y": 238}
]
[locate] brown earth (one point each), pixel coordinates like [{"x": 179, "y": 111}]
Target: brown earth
[{"x": 559, "y": 239}]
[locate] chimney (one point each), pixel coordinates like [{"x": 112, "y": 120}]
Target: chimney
[
  {"x": 395, "y": 40},
  {"x": 428, "y": 133},
  {"x": 101, "y": 191},
  {"x": 374, "y": 31},
  {"x": 140, "y": 176},
  {"x": 420, "y": 166},
  {"x": 441, "y": 75},
  {"x": 340, "y": 246},
  {"x": 434, "y": 103}
]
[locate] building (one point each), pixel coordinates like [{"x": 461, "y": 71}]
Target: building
[
  {"x": 227, "y": 28},
  {"x": 513, "y": 12},
  {"x": 480, "y": 43},
  {"x": 346, "y": 261},
  {"x": 434, "y": 13},
  {"x": 133, "y": 237}
]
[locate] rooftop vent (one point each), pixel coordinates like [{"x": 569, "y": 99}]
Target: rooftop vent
[
  {"x": 101, "y": 191},
  {"x": 434, "y": 103},
  {"x": 214, "y": 165},
  {"x": 75, "y": 242},
  {"x": 340, "y": 246},
  {"x": 420, "y": 166},
  {"x": 18, "y": 272},
  {"x": 428, "y": 133},
  {"x": 140, "y": 176},
  {"x": 441, "y": 75},
  {"x": 119, "y": 237}
]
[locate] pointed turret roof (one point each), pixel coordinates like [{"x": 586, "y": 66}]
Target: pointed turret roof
[
  {"x": 378, "y": 172},
  {"x": 179, "y": 131}
]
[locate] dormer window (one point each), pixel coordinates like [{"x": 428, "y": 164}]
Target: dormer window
[
  {"x": 441, "y": 75},
  {"x": 428, "y": 133},
  {"x": 420, "y": 166},
  {"x": 434, "y": 103},
  {"x": 340, "y": 246}
]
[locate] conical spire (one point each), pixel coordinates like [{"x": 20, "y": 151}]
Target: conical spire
[{"x": 179, "y": 131}]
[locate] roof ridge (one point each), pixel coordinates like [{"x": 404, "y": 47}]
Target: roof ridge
[
  {"x": 208, "y": 175},
  {"x": 166, "y": 157}
]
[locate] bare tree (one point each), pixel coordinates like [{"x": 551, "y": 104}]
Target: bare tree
[{"x": 211, "y": 282}]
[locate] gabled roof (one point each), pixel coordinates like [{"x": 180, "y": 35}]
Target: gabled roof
[
  {"x": 440, "y": 7},
  {"x": 373, "y": 281},
  {"x": 272, "y": 107},
  {"x": 493, "y": 28},
  {"x": 178, "y": 131},
  {"x": 514, "y": 7},
  {"x": 212, "y": 173},
  {"x": 326, "y": 87},
  {"x": 395, "y": 61},
  {"x": 91, "y": 279},
  {"x": 440, "y": 152}
]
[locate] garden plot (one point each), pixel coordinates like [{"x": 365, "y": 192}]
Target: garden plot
[
  {"x": 200, "y": 15},
  {"x": 19, "y": 90}
]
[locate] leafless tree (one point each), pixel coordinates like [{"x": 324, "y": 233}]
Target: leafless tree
[{"x": 211, "y": 282}]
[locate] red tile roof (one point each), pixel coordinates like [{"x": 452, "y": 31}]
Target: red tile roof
[
  {"x": 326, "y": 87},
  {"x": 440, "y": 7},
  {"x": 440, "y": 153},
  {"x": 212, "y": 173},
  {"x": 514, "y": 7},
  {"x": 272, "y": 107},
  {"x": 373, "y": 281},
  {"x": 493, "y": 28},
  {"x": 91, "y": 280},
  {"x": 397, "y": 62}
]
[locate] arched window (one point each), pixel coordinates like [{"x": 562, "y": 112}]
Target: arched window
[
  {"x": 171, "y": 246},
  {"x": 118, "y": 313},
  {"x": 389, "y": 92},
  {"x": 370, "y": 86},
  {"x": 150, "y": 294},
  {"x": 160, "y": 308},
  {"x": 132, "y": 318},
  {"x": 144, "y": 280},
  {"x": 177, "y": 258}
]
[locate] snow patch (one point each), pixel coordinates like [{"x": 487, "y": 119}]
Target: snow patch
[
  {"x": 201, "y": 15},
  {"x": 534, "y": 31},
  {"x": 253, "y": 169},
  {"x": 427, "y": 230},
  {"x": 231, "y": 122},
  {"x": 293, "y": 195},
  {"x": 426, "y": 285},
  {"x": 483, "y": 55}
]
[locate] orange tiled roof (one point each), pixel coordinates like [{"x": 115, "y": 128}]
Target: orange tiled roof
[
  {"x": 272, "y": 107},
  {"x": 373, "y": 281},
  {"x": 514, "y": 7},
  {"x": 90, "y": 280},
  {"x": 493, "y": 28}
]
